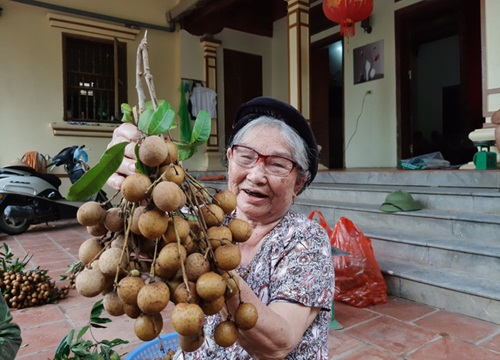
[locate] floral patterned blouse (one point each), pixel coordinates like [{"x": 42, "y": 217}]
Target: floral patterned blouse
[{"x": 294, "y": 264}]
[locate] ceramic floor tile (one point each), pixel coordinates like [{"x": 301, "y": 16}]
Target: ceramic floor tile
[
  {"x": 392, "y": 335},
  {"x": 339, "y": 343},
  {"x": 43, "y": 337},
  {"x": 348, "y": 315},
  {"x": 368, "y": 353},
  {"x": 458, "y": 326},
  {"x": 401, "y": 309},
  {"x": 492, "y": 344},
  {"x": 37, "y": 315},
  {"x": 448, "y": 348}
]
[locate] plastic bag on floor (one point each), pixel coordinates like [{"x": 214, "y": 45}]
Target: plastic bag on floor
[
  {"x": 432, "y": 160},
  {"x": 358, "y": 279}
]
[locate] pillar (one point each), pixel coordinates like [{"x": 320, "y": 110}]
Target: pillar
[{"x": 298, "y": 55}]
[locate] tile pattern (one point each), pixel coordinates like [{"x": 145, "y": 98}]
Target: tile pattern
[{"x": 400, "y": 329}]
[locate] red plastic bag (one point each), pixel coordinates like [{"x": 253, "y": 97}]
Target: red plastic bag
[{"x": 358, "y": 279}]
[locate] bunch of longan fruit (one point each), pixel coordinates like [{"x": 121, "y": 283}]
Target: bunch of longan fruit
[
  {"x": 23, "y": 289},
  {"x": 169, "y": 239}
]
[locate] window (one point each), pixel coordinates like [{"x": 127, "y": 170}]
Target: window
[{"x": 95, "y": 79}]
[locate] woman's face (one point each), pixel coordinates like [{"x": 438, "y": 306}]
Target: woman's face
[{"x": 262, "y": 197}]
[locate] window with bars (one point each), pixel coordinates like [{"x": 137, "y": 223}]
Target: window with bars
[{"x": 95, "y": 79}]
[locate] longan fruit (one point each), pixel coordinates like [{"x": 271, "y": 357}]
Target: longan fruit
[
  {"x": 90, "y": 213},
  {"x": 147, "y": 327},
  {"x": 173, "y": 173},
  {"x": 128, "y": 288},
  {"x": 187, "y": 319},
  {"x": 212, "y": 214},
  {"x": 227, "y": 257},
  {"x": 196, "y": 265},
  {"x": 192, "y": 342},
  {"x": 210, "y": 286},
  {"x": 246, "y": 316},
  {"x": 135, "y": 187},
  {"x": 176, "y": 224},
  {"x": 153, "y": 224},
  {"x": 90, "y": 282},
  {"x": 153, "y": 298},
  {"x": 153, "y": 150},
  {"x": 113, "y": 304},
  {"x": 168, "y": 196},
  {"x": 219, "y": 235},
  {"x": 226, "y": 333},
  {"x": 240, "y": 229},
  {"x": 226, "y": 200},
  {"x": 109, "y": 261},
  {"x": 136, "y": 215},
  {"x": 173, "y": 153},
  {"x": 169, "y": 260},
  {"x": 114, "y": 220},
  {"x": 89, "y": 250}
]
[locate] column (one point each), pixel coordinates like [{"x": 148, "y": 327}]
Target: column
[
  {"x": 210, "y": 46},
  {"x": 298, "y": 55}
]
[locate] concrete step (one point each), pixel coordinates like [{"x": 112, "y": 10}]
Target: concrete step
[
  {"x": 479, "y": 200},
  {"x": 431, "y": 178},
  {"x": 478, "y": 228},
  {"x": 481, "y": 260},
  {"x": 455, "y": 291}
]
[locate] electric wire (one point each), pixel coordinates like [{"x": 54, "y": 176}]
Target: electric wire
[{"x": 357, "y": 120}]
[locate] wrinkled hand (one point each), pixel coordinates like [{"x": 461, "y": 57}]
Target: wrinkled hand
[{"x": 125, "y": 132}]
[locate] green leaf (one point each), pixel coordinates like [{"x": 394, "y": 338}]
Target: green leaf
[
  {"x": 201, "y": 128},
  {"x": 145, "y": 120},
  {"x": 186, "y": 151},
  {"x": 161, "y": 120},
  {"x": 93, "y": 180},
  {"x": 139, "y": 166},
  {"x": 82, "y": 332},
  {"x": 127, "y": 112}
]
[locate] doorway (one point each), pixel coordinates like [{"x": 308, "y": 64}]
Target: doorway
[
  {"x": 242, "y": 82},
  {"x": 327, "y": 100},
  {"x": 439, "y": 91}
]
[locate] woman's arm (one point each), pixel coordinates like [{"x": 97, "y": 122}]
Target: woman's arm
[{"x": 279, "y": 328}]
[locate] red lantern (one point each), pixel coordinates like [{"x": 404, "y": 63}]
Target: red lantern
[{"x": 347, "y": 12}]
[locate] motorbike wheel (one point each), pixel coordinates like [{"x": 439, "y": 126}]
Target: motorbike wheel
[{"x": 12, "y": 226}]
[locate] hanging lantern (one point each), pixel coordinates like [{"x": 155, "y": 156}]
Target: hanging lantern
[{"x": 347, "y": 13}]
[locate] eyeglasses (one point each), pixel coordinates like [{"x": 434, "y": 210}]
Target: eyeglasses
[{"x": 274, "y": 164}]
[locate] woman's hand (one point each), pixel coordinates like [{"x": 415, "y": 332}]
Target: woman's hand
[{"x": 129, "y": 133}]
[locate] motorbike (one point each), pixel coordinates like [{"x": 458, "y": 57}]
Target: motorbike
[{"x": 29, "y": 197}]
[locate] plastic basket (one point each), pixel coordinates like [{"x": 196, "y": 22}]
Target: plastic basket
[{"x": 152, "y": 349}]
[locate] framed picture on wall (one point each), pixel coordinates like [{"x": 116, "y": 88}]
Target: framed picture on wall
[{"x": 369, "y": 62}]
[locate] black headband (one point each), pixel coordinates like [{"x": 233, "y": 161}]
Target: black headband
[{"x": 260, "y": 106}]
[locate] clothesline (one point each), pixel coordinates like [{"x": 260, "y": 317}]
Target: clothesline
[{"x": 194, "y": 80}]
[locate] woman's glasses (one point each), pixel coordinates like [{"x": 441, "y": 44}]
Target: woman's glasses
[{"x": 274, "y": 164}]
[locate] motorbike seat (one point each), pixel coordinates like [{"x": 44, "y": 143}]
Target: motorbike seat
[{"x": 50, "y": 178}]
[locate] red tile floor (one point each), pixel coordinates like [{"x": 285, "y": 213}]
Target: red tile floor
[{"x": 400, "y": 329}]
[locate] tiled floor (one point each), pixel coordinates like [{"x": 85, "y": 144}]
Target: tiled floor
[{"x": 400, "y": 329}]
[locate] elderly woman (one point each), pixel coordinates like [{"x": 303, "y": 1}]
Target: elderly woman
[{"x": 286, "y": 269}]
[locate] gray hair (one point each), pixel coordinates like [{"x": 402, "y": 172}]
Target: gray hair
[{"x": 294, "y": 140}]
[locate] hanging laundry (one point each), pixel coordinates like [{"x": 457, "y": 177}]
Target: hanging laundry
[{"x": 203, "y": 98}]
